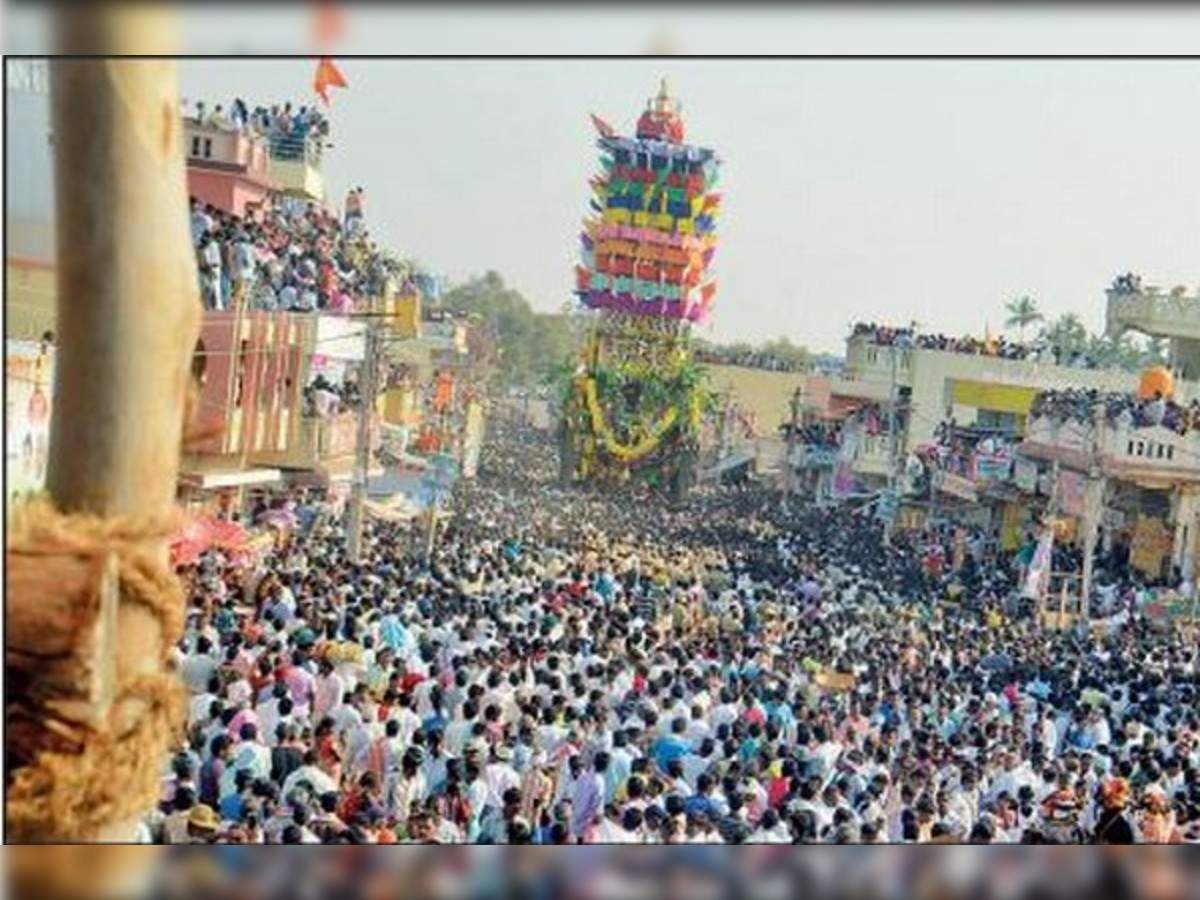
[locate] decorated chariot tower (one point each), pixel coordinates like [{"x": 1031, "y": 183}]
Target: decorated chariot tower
[{"x": 635, "y": 403}]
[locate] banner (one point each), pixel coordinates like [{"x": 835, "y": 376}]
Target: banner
[
  {"x": 992, "y": 466},
  {"x": 1169, "y": 608},
  {"x": 957, "y": 486},
  {"x": 28, "y": 400},
  {"x": 1025, "y": 475},
  {"x": 472, "y": 439},
  {"x": 406, "y": 320},
  {"x": 844, "y": 481},
  {"x": 1010, "y": 527},
  {"x": 1151, "y": 542},
  {"x": 1037, "y": 579},
  {"x": 1072, "y": 492}
]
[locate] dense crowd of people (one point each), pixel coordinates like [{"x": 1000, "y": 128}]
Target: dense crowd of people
[
  {"x": 292, "y": 256},
  {"x": 290, "y": 133},
  {"x": 887, "y": 336},
  {"x": 1121, "y": 410},
  {"x": 997, "y": 346},
  {"x": 578, "y": 666}
]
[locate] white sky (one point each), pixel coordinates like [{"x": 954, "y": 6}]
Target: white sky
[
  {"x": 925, "y": 189},
  {"x": 891, "y": 190}
]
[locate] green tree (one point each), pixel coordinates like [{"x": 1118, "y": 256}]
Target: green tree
[
  {"x": 1022, "y": 312},
  {"x": 1068, "y": 333},
  {"x": 530, "y": 345}
]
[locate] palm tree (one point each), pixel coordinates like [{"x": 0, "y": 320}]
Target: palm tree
[{"x": 1022, "y": 312}]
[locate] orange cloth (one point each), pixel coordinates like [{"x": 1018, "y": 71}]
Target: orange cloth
[{"x": 327, "y": 76}]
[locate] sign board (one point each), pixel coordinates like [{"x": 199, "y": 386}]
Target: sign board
[
  {"x": 992, "y": 466},
  {"x": 472, "y": 439},
  {"x": 958, "y": 486},
  {"x": 1072, "y": 492},
  {"x": 28, "y": 400},
  {"x": 1037, "y": 579},
  {"x": 1025, "y": 475},
  {"x": 1010, "y": 527},
  {"x": 1151, "y": 542}
]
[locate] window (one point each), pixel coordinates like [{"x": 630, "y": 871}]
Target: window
[
  {"x": 1171, "y": 455},
  {"x": 195, "y": 145},
  {"x": 208, "y": 148},
  {"x": 199, "y": 362}
]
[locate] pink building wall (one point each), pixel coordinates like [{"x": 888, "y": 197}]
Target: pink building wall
[
  {"x": 227, "y": 191},
  {"x": 249, "y": 389}
]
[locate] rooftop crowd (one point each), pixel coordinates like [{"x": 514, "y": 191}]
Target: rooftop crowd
[
  {"x": 1123, "y": 410},
  {"x": 997, "y": 346},
  {"x": 292, "y": 256},
  {"x": 586, "y": 666},
  {"x": 291, "y": 132}
]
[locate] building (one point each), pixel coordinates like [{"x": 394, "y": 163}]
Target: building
[
  {"x": 1149, "y": 310},
  {"x": 247, "y": 367},
  {"x": 227, "y": 169},
  {"x": 932, "y": 386}
]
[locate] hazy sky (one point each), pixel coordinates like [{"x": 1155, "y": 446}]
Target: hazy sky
[{"x": 884, "y": 189}]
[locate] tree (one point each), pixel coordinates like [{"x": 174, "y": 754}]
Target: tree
[
  {"x": 530, "y": 345},
  {"x": 1068, "y": 334},
  {"x": 1022, "y": 312}
]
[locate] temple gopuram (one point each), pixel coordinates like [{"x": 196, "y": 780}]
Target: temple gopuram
[{"x": 635, "y": 404}]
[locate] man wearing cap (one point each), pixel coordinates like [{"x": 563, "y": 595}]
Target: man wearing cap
[{"x": 202, "y": 824}]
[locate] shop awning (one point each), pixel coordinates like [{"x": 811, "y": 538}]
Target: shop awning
[{"x": 231, "y": 478}]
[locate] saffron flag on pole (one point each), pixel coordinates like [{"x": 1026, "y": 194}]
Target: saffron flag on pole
[{"x": 327, "y": 76}]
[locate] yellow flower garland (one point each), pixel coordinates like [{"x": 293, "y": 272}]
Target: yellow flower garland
[{"x": 625, "y": 452}]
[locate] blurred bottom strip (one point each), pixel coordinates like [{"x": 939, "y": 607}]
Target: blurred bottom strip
[{"x": 687, "y": 873}]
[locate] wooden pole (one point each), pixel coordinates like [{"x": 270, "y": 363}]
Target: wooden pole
[{"x": 128, "y": 301}]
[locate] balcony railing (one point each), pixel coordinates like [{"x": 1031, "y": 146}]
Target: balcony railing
[
  {"x": 1117, "y": 448},
  {"x": 1152, "y": 311}
]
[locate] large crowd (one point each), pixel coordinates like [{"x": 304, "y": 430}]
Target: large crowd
[
  {"x": 576, "y": 666},
  {"x": 997, "y": 346},
  {"x": 290, "y": 132},
  {"x": 290, "y": 256},
  {"x": 1122, "y": 410}
]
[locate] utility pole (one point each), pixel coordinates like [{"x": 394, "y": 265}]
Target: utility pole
[
  {"x": 362, "y": 447},
  {"x": 1096, "y": 489},
  {"x": 128, "y": 312},
  {"x": 789, "y": 472},
  {"x": 892, "y": 445}
]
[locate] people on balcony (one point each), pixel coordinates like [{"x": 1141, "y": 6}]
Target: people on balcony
[
  {"x": 287, "y": 257},
  {"x": 1120, "y": 410},
  {"x": 290, "y": 133},
  {"x": 997, "y": 346}
]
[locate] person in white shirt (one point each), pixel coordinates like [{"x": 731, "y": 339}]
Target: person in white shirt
[
  {"x": 200, "y": 667},
  {"x": 200, "y": 706}
]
